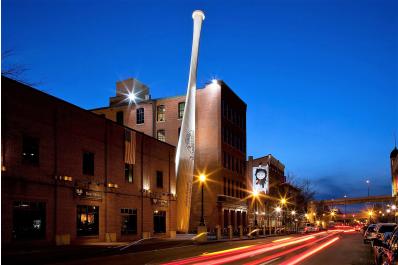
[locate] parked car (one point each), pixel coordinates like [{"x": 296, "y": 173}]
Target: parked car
[
  {"x": 369, "y": 233},
  {"x": 388, "y": 249},
  {"x": 380, "y": 231},
  {"x": 378, "y": 247}
]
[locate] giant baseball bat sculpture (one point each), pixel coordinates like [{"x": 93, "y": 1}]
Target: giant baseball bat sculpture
[{"x": 185, "y": 155}]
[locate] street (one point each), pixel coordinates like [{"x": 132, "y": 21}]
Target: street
[{"x": 320, "y": 248}]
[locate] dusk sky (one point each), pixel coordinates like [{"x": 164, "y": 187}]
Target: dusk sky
[{"x": 320, "y": 78}]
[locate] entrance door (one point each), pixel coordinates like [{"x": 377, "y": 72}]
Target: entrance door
[{"x": 159, "y": 221}]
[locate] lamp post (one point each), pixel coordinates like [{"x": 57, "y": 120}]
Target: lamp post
[
  {"x": 293, "y": 213},
  {"x": 278, "y": 210},
  {"x": 255, "y": 195},
  {"x": 202, "y": 179},
  {"x": 368, "y": 182},
  {"x": 345, "y": 207},
  {"x": 283, "y": 203}
]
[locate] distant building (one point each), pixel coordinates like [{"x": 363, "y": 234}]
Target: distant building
[
  {"x": 220, "y": 145},
  {"x": 70, "y": 176},
  {"x": 394, "y": 171}
]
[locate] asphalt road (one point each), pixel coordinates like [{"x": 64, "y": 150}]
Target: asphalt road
[{"x": 324, "y": 248}]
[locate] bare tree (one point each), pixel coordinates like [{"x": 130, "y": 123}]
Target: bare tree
[{"x": 13, "y": 70}]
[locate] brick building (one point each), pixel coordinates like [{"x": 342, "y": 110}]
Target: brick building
[
  {"x": 263, "y": 211},
  {"x": 220, "y": 144},
  {"x": 70, "y": 176}
]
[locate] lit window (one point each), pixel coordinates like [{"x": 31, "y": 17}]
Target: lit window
[
  {"x": 140, "y": 116},
  {"x": 161, "y": 135},
  {"x": 161, "y": 113},
  {"x": 181, "y": 107},
  {"x": 128, "y": 173},
  {"x": 87, "y": 220}
]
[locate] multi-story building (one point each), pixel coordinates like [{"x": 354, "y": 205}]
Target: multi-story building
[
  {"x": 220, "y": 144},
  {"x": 267, "y": 207},
  {"x": 394, "y": 171},
  {"x": 71, "y": 176}
]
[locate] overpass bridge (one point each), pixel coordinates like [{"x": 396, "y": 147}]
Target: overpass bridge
[{"x": 358, "y": 200}]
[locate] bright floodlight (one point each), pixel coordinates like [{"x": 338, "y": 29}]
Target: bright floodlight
[
  {"x": 202, "y": 178},
  {"x": 131, "y": 97},
  {"x": 255, "y": 193},
  {"x": 293, "y": 212},
  {"x": 278, "y": 209},
  {"x": 283, "y": 201},
  {"x": 393, "y": 207}
]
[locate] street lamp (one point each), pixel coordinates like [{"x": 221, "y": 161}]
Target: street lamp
[
  {"x": 345, "y": 207},
  {"x": 202, "y": 179}
]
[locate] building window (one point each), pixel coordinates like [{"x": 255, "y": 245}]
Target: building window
[
  {"x": 128, "y": 173},
  {"x": 161, "y": 113},
  {"x": 181, "y": 107},
  {"x": 140, "y": 116},
  {"x": 29, "y": 220},
  {"x": 161, "y": 135},
  {"x": 120, "y": 117},
  {"x": 88, "y": 163},
  {"x": 129, "y": 221},
  {"x": 87, "y": 220},
  {"x": 159, "y": 179},
  {"x": 159, "y": 221},
  {"x": 30, "y": 150},
  {"x": 179, "y": 132}
]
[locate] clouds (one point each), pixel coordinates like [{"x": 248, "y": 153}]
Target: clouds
[{"x": 336, "y": 186}]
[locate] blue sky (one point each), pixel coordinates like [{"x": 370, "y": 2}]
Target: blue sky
[{"x": 319, "y": 77}]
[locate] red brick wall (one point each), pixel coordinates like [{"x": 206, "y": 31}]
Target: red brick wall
[{"x": 65, "y": 131}]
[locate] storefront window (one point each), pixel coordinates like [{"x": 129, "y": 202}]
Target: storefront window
[
  {"x": 29, "y": 220},
  {"x": 159, "y": 221},
  {"x": 87, "y": 220},
  {"x": 129, "y": 221}
]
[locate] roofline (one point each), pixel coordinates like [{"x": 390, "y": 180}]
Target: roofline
[{"x": 77, "y": 107}]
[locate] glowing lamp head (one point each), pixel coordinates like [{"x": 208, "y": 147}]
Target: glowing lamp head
[
  {"x": 278, "y": 209},
  {"x": 370, "y": 213},
  {"x": 393, "y": 207},
  {"x": 255, "y": 193},
  {"x": 332, "y": 213},
  {"x": 131, "y": 97},
  {"x": 283, "y": 201},
  {"x": 367, "y": 181},
  {"x": 202, "y": 178},
  {"x": 293, "y": 212}
]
